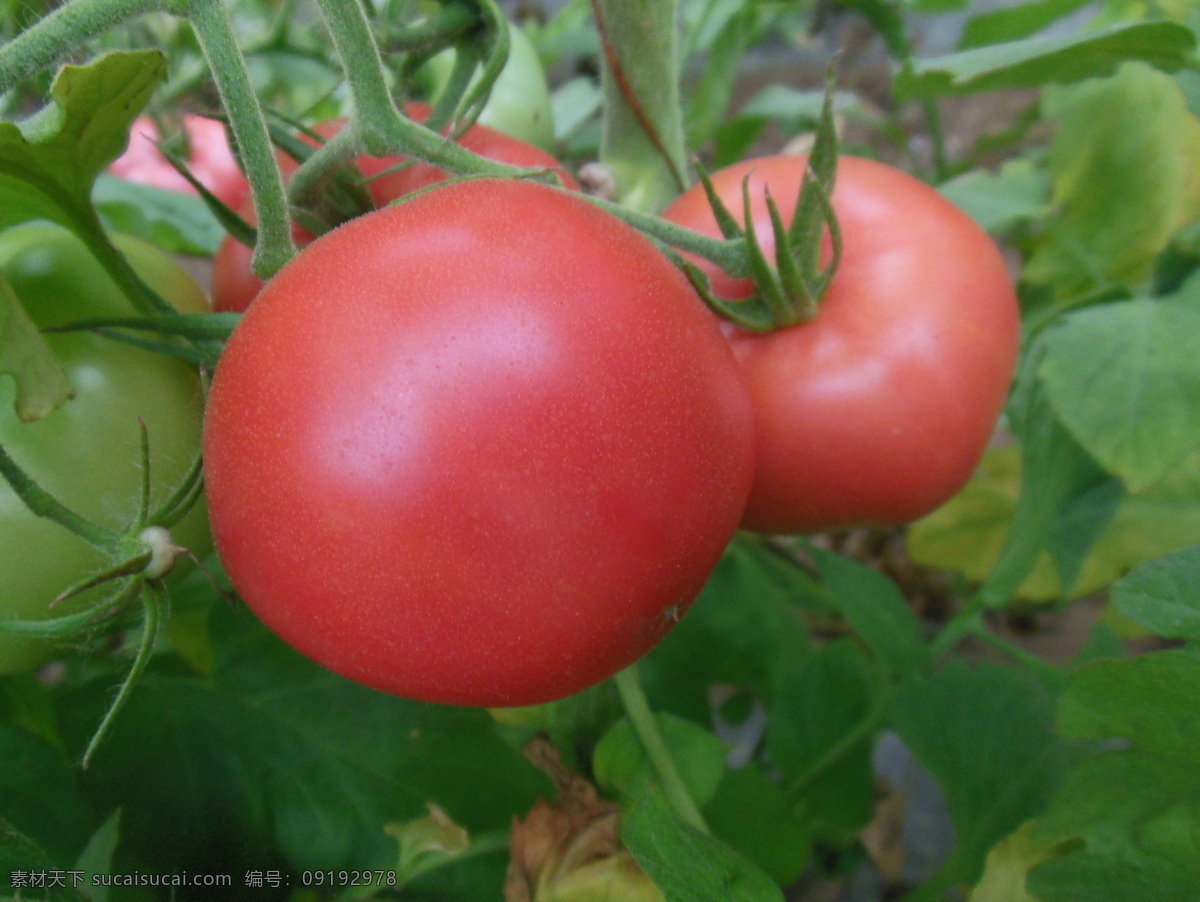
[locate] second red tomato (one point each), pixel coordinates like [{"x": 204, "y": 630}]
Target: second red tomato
[{"x": 877, "y": 410}]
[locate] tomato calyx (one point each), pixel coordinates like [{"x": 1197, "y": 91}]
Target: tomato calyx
[
  {"x": 789, "y": 288},
  {"x": 140, "y": 557}
]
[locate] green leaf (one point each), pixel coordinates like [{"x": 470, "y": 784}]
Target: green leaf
[
  {"x": 1057, "y": 479},
  {"x": 622, "y": 767},
  {"x": 750, "y": 812},
  {"x": 1123, "y": 378},
  {"x": 97, "y": 856},
  {"x": 986, "y": 734},
  {"x": 1011, "y": 23},
  {"x": 966, "y": 534},
  {"x": 1039, "y": 61},
  {"x": 1019, "y": 192},
  {"x": 687, "y": 865},
  {"x": 1123, "y": 163},
  {"x": 40, "y": 797},
  {"x": 874, "y": 606},
  {"x": 742, "y": 630},
  {"x": 41, "y": 382},
  {"x": 822, "y": 721},
  {"x": 47, "y": 172},
  {"x": 171, "y": 220},
  {"x": 275, "y": 761},
  {"x": 1129, "y": 814},
  {"x": 1008, "y": 865},
  {"x": 1164, "y": 595}
]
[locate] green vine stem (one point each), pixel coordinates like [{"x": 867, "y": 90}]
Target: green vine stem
[
  {"x": 210, "y": 20},
  {"x": 46, "y": 41},
  {"x": 637, "y": 709},
  {"x": 643, "y": 142},
  {"x": 376, "y": 125}
]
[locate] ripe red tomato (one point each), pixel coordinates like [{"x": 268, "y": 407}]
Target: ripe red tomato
[
  {"x": 235, "y": 284},
  {"x": 210, "y": 160},
  {"x": 479, "y": 448},
  {"x": 879, "y": 409}
]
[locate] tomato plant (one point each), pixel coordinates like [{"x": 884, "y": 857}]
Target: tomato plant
[
  {"x": 494, "y": 477},
  {"x": 86, "y": 451},
  {"x": 208, "y": 157},
  {"x": 878, "y": 409}
]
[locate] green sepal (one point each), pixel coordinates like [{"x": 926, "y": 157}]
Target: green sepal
[
  {"x": 77, "y": 625},
  {"x": 800, "y": 304},
  {"x": 129, "y": 567},
  {"x": 43, "y": 504},
  {"x": 729, "y": 226},
  {"x": 770, "y": 291}
]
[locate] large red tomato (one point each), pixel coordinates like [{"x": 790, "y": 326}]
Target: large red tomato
[
  {"x": 481, "y": 448},
  {"x": 877, "y": 410}
]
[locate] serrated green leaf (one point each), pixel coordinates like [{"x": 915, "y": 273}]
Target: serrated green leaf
[
  {"x": 986, "y": 734},
  {"x": 1008, "y": 865},
  {"x": 274, "y": 759},
  {"x": 47, "y": 171},
  {"x": 1123, "y": 163},
  {"x": 822, "y": 720},
  {"x": 1164, "y": 595},
  {"x": 874, "y": 606},
  {"x": 751, "y": 814},
  {"x": 1011, "y": 23},
  {"x": 1019, "y": 192},
  {"x": 1056, "y": 59},
  {"x": 1129, "y": 814},
  {"x": 40, "y": 797},
  {"x": 967, "y": 533},
  {"x": 687, "y": 865},
  {"x": 171, "y": 220},
  {"x": 741, "y": 631},
  {"x": 41, "y": 382},
  {"x": 621, "y": 766},
  {"x": 1123, "y": 378}
]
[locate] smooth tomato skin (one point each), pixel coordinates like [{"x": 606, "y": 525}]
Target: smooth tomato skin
[
  {"x": 87, "y": 451},
  {"x": 210, "y": 160},
  {"x": 879, "y": 409},
  {"x": 444, "y": 462}
]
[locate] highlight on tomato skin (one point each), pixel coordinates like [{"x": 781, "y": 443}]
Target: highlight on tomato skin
[
  {"x": 481, "y": 448},
  {"x": 879, "y": 409}
]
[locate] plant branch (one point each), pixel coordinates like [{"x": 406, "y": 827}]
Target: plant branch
[
  {"x": 45, "y": 42},
  {"x": 210, "y": 20},
  {"x": 637, "y": 708}
]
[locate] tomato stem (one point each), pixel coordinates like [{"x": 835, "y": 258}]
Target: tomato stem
[
  {"x": 214, "y": 30},
  {"x": 637, "y": 709},
  {"x": 46, "y": 41}
]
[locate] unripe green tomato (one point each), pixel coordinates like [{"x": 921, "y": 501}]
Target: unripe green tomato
[
  {"x": 87, "y": 452},
  {"x": 519, "y": 104}
]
